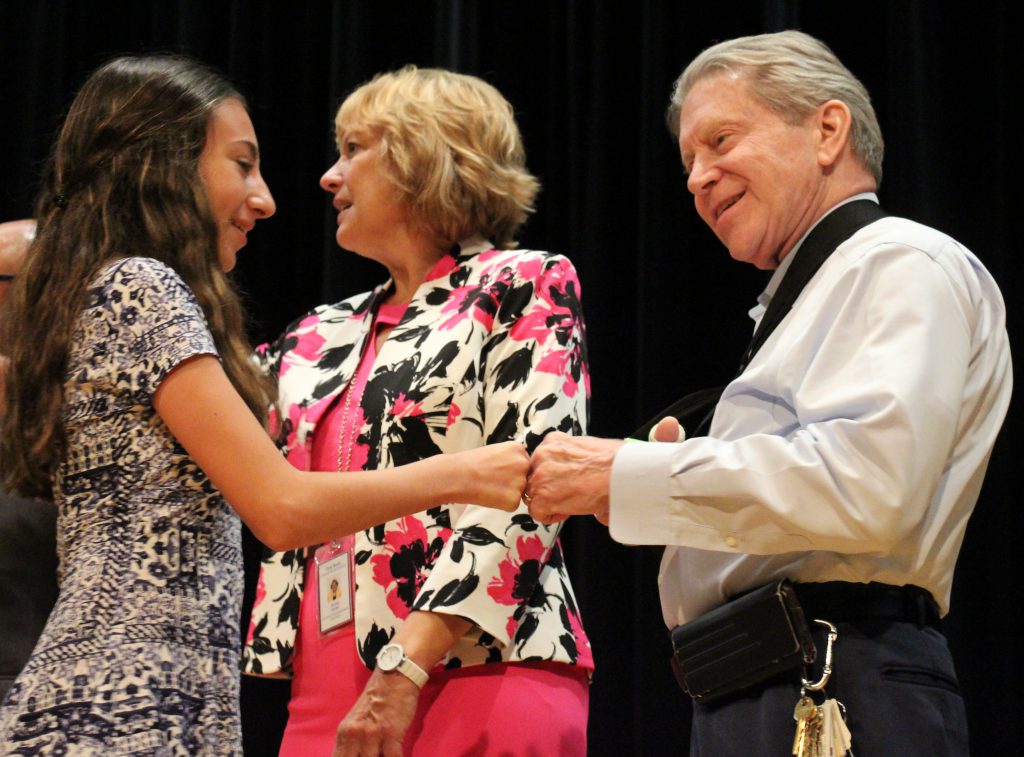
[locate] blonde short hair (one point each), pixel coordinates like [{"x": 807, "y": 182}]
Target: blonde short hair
[{"x": 452, "y": 147}]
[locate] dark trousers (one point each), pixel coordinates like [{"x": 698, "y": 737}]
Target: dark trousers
[
  {"x": 895, "y": 678},
  {"x": 28, "y": 579}
]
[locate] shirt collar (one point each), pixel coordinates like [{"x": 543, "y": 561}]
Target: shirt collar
[{"x": 773, "y": 283}]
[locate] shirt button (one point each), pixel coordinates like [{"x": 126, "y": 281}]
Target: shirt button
[{"x": 731, "y": 541}]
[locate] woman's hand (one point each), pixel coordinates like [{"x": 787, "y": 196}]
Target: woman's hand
[
  {"x": 493, "y": 476},
  {"x": 378, "y": 720}
]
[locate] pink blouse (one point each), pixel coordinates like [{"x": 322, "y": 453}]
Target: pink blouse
[{"x": 327, "y": 665}]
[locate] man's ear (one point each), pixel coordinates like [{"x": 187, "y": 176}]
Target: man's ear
[{"x": 833, "y": 123}]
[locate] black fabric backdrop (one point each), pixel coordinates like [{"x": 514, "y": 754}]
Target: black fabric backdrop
[{"x": 665, "y": 306}]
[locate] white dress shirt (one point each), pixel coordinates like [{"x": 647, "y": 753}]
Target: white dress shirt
[{"x": 853, "y": 446}]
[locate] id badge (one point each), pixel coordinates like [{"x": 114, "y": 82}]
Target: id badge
[{"x": 334, "y": 584}]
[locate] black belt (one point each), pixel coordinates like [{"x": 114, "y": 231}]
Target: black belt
[{"x": 840, "y": 601}]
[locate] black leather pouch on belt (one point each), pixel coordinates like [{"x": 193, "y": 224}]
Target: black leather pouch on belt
[{"x": 743, "y": 642}]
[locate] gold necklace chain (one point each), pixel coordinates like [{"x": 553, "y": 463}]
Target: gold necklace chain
[
  {"x": 346, "y": 422},
  {"x": 344, "y": 464}
]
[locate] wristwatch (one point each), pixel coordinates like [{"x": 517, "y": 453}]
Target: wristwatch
[{"x": 392, "y": 657}]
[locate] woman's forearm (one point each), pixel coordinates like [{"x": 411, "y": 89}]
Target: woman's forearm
[
  {"x": 428, "y": 636},
  {"x": 297, "y": 514},
  {"x": 287, "y": 508}
]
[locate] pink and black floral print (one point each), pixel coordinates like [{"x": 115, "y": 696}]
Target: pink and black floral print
[
  {"x": 491, "y": 348},
  {"x": 407, "y": 557}
]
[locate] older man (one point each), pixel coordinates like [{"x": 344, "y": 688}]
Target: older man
[
  {"x": 848, "y": 453},
  {"x": 28, "y": 558}
]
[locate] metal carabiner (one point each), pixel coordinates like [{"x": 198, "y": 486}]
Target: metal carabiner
[{"x": 826, "y": 671}]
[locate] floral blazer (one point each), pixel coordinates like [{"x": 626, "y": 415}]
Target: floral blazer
[{"x": 491, "y": 348}]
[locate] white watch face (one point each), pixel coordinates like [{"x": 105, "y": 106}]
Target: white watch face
[{"x": 390, "y": 657}]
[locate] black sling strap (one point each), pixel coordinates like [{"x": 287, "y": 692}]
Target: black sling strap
[{"x": 695, "y": 410}]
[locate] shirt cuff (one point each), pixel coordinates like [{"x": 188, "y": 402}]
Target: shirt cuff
[{"x": 639, "y": 502}]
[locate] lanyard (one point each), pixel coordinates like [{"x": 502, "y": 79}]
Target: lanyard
[{"x": 695, "y": 410}]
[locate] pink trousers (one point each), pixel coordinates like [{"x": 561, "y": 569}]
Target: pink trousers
[{"x": 531, "y": 709}]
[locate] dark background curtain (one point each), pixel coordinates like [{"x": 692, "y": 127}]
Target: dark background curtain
[{"x": 665, "y": 306}]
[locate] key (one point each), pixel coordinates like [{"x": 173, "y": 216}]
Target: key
[
  {"x": 827, "y": 740},
  {"x": 813, "y": 735},
  {"x": 840, "y": 734},
  {"x": 812, "y": 748},
  {"x": 808, "y": 722},
  {"x": 801, "y": 713}
]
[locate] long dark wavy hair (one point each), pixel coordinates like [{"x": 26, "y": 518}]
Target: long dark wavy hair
[{"x": 122, "y": 179}]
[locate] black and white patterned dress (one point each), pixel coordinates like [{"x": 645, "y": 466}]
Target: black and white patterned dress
[{"x": 141, "y": 652}]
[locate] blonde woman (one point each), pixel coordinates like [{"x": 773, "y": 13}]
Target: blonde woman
[{"x": 458, "y": 632}]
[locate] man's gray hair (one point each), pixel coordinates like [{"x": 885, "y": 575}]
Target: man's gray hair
[{"x": 791, "y": 73}]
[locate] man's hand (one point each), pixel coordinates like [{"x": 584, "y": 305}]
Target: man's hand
[
  {"x": 667, "y": 430},
  {"x": 15, "y": 238},
  {"x": 570, "y": 475}
]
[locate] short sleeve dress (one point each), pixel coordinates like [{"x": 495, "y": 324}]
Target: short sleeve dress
[{"x": 141, "y": 652}]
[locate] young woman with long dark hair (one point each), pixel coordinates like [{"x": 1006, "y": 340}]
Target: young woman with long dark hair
[{"x": 131, "y": 399}]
